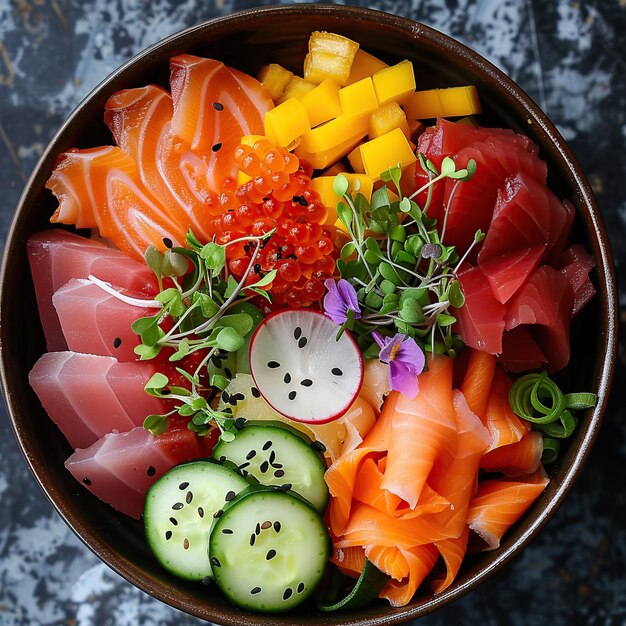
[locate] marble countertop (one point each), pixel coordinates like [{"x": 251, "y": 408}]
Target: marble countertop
[{"x": 569, "y": 56}]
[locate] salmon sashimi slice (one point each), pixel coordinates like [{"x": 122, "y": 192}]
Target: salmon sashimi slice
[
  {"x": 504, "y": 426},
  {"x": 104, "y": 184},
  {"x": 452, "y": 552},
  {"x": 477, "y": 381},
  {"x": 349, "y": 560},
  {"x": 430, "y": 502},
  {"x": 140, "y": 120},
  {"x": 367, "y": 488},
  {"x": 500, "y": 503},
  {"x": 516, "y": 459},
  {"x": 420, "y": 561},
  {"x": 389, "y": 560},
  {"x": 214, "y": 107},
  {"x": 421, "y": 428}
]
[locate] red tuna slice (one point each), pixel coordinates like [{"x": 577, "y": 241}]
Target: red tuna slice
[
  {"x": 562, "y": 233},
  {"x": 576, "y": 263},
  {"x": 87, "y": 396},
  {"x": 480, "y": 322},
  {"x": 214, "y": 107},
  {"x": 514, "y": 158},
  {"x": 120, "y": 467},
  {"x": 520, "y": 352},
  {"x": 56, "y": 256},
  {"x": 506, "y": 274},
  {"x": 96, "y": 322},
  {"x": 546, "y": 303}
]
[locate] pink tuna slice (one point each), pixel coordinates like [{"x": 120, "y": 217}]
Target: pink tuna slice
[
  {"x": 120, "y": 467},
  {"x": 56, "y": 256},
  {"x": 576, "y": 265},
  {"x": 520, "y": 351},
  {"x": 96, "y": 322},
  {"x": 87, "y": 396}
]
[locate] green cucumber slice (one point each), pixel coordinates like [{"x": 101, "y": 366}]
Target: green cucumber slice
[
  {"x": 275, "y": 455},
  {"x": 179, "y": 511},
  {"x": 269, "y": 550}
]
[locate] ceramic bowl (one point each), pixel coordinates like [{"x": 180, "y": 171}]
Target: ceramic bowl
[{"x": 248, "y": 40}]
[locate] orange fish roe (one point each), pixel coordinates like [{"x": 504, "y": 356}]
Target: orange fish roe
[{"x": 278, "y": 195}]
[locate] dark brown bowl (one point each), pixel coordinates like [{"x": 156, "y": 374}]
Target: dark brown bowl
[{"x": 248, "y": 40}]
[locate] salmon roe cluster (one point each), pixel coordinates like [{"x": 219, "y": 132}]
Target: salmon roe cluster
[{"x": 278, "y": 195}]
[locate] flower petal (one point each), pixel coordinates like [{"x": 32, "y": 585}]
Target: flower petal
[
  {"x": 411, "y": 355},
  {"x": 347, "y": 293},
  {"x": 403, "y": 380},
  {"x": 387, "y": 352}
]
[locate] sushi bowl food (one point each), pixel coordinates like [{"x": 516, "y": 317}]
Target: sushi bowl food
[{"x": 316, "y": 319}]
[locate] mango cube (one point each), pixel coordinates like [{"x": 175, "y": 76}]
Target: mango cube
[
  {"x": 364, "y": 65},
  {"x": 386, "y": 151},
  {"x": 333, "y": 133},
  {"x": 356, "y": 162},
  {"x": 394, "y": 83},
  {"x": 451, "y": 102},
  {"x": 323, "y": 185},
  {"x": 275, "y": 79},
  {"x": 359, "y": 98},
  {"x": 323, "y": 158},
  {"x": 337, "y": 168},
  {"x": 322, "y": 103},
  {"x": 330, "y": 56},
  {"x": 387, "y": 118},
  {"x": 297, "y": 88},
  {"x": 286, "y": 122}
]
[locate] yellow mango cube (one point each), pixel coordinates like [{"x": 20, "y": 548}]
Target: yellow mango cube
[
  {"x": 364, "y": 65},
  {"x": 323, "y": 185},
  {"x": 387, "y": 118},
  {"x": 322, "y": 103},
  {"x": 333, "y": 133},
  {"x": 386, "y": 151},
  {"x": 322, "y": 159},
  {"x": 356, "y": 162},
  {"x": 330, "y": 56},
  {"x": 297, "y": 88},
  {"x": 451, "y": 102},
  {"x": 359, "y": 98},
  {"x": 394, "y": 83},
  {"x": 275, "y": 79},
  {"x": 286, "y": 122},
  {"x": 337, "y": 168}
]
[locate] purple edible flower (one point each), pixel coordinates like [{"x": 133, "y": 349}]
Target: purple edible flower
[
  {"x": 406, "y": 361},
  {"x": 340, "y": 299}
]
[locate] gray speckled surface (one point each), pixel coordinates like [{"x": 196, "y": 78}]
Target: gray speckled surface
[{"x": 569, "y": 56}]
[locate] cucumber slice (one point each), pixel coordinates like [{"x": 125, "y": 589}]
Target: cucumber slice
[
  {"x": 179, "y": 511},
  {"x": 276, "y": 455},
  {"x": 269, "y": 550}
]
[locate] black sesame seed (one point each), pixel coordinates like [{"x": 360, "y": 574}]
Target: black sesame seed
[
  {"x": 233, "y": 401},
  {"x": 252, "y": 539},
  {"x": 117, "y": 342},
  {"x": 215, "y": 562},
  {"x": 273, "y": 364},
  {"x": 297, "y": 333},
  {"x": 287, "y": 593},
  {"x": 277, "y": 465},
  {"x": 336, "y": 371},
  {"x": 318, "y": 445},
  {"x": 300, "y": 587},
  {"x": 227, "y": 410},
  {"x": 183, "y": 486},
  {"x": 255, "y": 392},
  {"x": 270, "y": 555},
  {"x": 244, "y": 473},
  {"x": 250, "y": 455},
  {"x": 255, "y": 590},
  {"x": 240, "y": 422},
  {"x": 244, "y": 465},
  {"x": 167, "y": 242},
  {"x": 225, "y": 396},
  {"x": 272, "y": 457},
  {"x": 257, "y": 530},
  {"x": 207, "y": 580},
  {"x": 266, "y": 524},
  {"x": 228, "y": 372},
  {"x": 215, "y": 361},
  {"x": 218, "y": 106},
  {"x": 174, "y": 521},
  {"x": 200, "y": 511},
  {"x": 189, "y": 497},
  {"x": 292, "y": 395},
  {"x": 302, "y": 342},
  {"x": 230, "y": 496},
  {"x": 307, "y": 382},
  {"x": 151, "y": 471},
  {"x": 256, "y": 268},
  {"x": 286, "y": 487},
  {"x": 218, "y": 513},
  {"x": 227, "y": 531},
  {"x": 178, "y": 506},
  {"x": 86, "y": 481},
  {"x": 168, "y": 535},
  {"x": 277, "y": 526},
  {"x": 239, "y": 396},
  {"x": 279, "y": 473},
  {"x": 264, "y": 467},
  {"x": 216, "y": 147},
  {"x": 287, "y": 378},
  {"x": 267, "y": 445}
]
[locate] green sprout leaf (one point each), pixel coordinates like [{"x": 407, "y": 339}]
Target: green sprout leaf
[{"x": 340, "y": 185}]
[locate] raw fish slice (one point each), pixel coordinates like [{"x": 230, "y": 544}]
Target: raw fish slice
[
  {"x": 500, "y": 503},
  {"x": 180, "y": 443},
  {"x": 140, "y": 120},
  {"x": 367, "y": 488},
  {"x": 56, "y": 256},
  {"x": 430, "y": 502},
  {"x": 564, "y": 234},
  {"x": 520, "y": 351},
  {"x": 504, "y": 426},
  {"x": 44, "y": 379},
  {"x": 389, "y": 560},
  {"x": 576, "y": 263},
  {"x": 214, "y": 107},
  {"x": 516, "y": 459},
  {"x": 452, "y": 552},
  {"x": 105, "y": 184},
  {"x": 95, "y": 322},
  {"x": 349, "y": 560},
  {"x": 477, "y": 381},
  {"x": 421, "y": 428}
]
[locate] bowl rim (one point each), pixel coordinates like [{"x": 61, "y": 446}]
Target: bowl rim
[{"x": 606, "y": 281}]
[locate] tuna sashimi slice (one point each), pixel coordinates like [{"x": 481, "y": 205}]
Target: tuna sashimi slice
[
  {"x": 56, "y": 256},
  {"x": 96, "y": 322},
  {"x": 120, "y": 467},
  {"x": 576, "y": 264},
  {"x": 520, "y": 351},
  {"x": 87, "y": 396}
]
